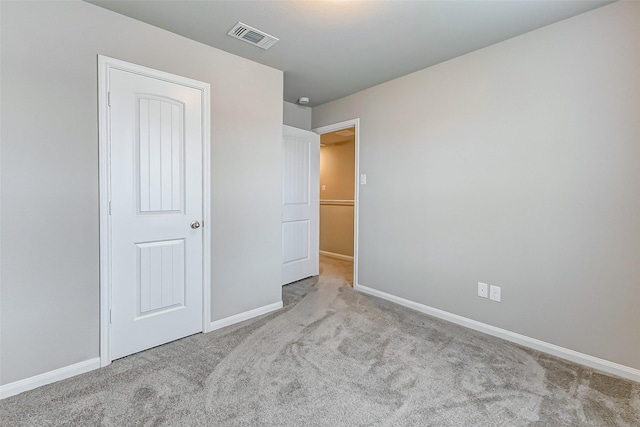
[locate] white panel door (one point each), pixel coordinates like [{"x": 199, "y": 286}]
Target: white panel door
[
  {"x": 300, "y": 204},
  {"x": 156, "y": 195}
]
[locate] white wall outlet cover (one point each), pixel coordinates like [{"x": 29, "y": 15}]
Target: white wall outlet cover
[
  {"x": 483, "y": 290},
  {"x": 324, "y": 187},
  {"x": 495, "y": 293},
  {"x": 363, "y": 178}
]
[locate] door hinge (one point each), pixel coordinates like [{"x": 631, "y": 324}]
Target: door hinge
[{"x": 109, "y": 99}]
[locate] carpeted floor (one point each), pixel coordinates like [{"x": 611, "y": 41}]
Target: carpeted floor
[{"x": 334, "y": 357}]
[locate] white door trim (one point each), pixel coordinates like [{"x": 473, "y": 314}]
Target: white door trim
[
  {"x": 356, "y": 196},
  {"x": 104, "y": 65}
]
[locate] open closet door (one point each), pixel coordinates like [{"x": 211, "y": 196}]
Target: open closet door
[{"x": 300, "y": 203}]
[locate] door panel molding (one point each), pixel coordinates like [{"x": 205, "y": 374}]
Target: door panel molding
[{"x": 105, "y": 64}]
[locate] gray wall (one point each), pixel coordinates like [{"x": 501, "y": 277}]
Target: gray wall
[
  {"x": 49, "y": 176},
  {"x": 517, "y": 165},
  {"x": 297, "y": 116}
]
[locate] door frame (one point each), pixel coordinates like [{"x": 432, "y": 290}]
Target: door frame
[
  {"x": 353, "y": 123},
  {"x": 105, "y": 64}
]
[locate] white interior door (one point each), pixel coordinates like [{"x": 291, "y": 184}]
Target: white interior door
[
  {"x": 156, "y": 209},
  {"x": 300, "y": 204}
]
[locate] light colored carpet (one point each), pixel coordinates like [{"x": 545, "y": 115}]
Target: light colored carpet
[
  {"x": 334, "y": 357},
  {"x": 337, "y": 268}
]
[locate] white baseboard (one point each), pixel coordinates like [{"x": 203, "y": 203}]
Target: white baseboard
[
  {"x": 228, "y": 321},
  {"x": 564, "y": 353},
  {"x": 337, "y": 256},
  {"x": 30, "y": 383}
]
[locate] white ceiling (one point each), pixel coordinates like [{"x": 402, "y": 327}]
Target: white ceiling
[{"x": 330, "y": 49}]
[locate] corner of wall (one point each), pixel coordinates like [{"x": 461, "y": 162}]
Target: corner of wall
[{"x": 296, "y": 115}]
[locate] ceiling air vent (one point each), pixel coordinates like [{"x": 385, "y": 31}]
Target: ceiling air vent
[{"x": 253, "y": 36}]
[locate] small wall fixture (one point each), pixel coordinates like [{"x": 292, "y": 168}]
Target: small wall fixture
[{"x": 303, "y": 100}]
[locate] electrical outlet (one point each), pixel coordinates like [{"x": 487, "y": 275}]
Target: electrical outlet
[
  {"x": 483, "y": 290},
  {"x": 494, "y": 293},
  {"x": 324, "y": 187}
]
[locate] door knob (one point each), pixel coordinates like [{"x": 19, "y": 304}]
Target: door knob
[{"x": 195, "y": 224}]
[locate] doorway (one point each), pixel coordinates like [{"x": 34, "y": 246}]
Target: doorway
[{"x": 339, "y": 199}]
